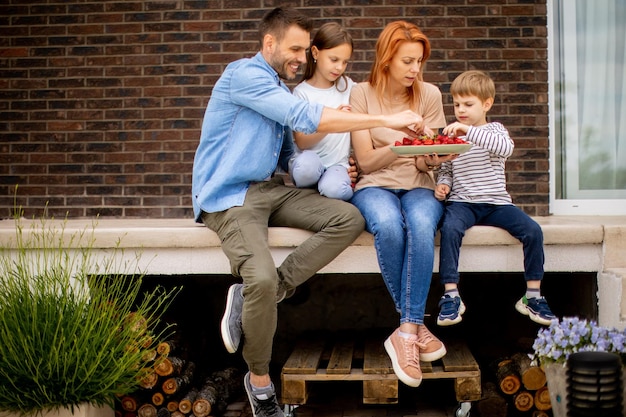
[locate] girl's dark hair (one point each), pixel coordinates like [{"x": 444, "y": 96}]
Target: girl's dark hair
[
  {"x": 328, "y": 36},
  {"x": 278, "y": 20}
]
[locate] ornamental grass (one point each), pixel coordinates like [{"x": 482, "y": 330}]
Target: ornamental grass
[{"x": 75, "y": 326}]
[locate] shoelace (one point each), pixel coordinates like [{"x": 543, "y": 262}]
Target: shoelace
[
  {"x": 412, "y": 352},
  {"x": 424, "y": 336},
  {"x": 267, "y": 407}
]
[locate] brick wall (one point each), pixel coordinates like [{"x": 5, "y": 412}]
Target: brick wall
[{"x": 101, "y": 103}]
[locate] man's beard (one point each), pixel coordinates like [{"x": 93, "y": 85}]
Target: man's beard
[{"x": 280, "y": 67}]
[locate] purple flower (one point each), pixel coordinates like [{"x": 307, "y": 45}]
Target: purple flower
[{"x": 572, "y": 334}]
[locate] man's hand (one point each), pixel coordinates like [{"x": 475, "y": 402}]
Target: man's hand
[
  {"x": 412, "y": 124},
  {"x": 428, "y": 132},
  {"x": 441, "y": 191}
]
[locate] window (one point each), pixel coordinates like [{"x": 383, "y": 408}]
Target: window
[{"x": 588, "y": 106}]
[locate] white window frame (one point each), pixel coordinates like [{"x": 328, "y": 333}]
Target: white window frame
[{"x": 559, "y": 206}]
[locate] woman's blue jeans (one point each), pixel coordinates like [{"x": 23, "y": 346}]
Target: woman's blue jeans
[
  {"x": 404, "y": 224},
  {"x": 461, "y": 216}
]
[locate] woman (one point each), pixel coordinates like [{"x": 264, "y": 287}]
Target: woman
[{"x": 395, "y": 193}]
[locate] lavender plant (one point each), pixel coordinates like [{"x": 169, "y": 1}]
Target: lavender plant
[{"x": 557, "y": 342}]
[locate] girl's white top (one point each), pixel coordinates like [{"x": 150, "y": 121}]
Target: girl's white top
[{"x": 334, "y": 149}]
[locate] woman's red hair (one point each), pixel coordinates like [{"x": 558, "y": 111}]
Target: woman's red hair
[{"x": 389, "y": 40}]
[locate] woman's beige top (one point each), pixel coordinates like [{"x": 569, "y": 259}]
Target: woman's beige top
[{"x": 401, "y": 173}]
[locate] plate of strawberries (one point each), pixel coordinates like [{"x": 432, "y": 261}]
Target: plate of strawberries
[{"x": 425, "y": 145}]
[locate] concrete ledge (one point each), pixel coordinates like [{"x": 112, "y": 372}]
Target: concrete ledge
[
  {"x": 180, "y": 247},
  {"x": 184, "y": 233}
]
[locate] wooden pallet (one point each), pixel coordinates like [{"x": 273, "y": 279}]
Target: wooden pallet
[{"x": 366, "y": 360}]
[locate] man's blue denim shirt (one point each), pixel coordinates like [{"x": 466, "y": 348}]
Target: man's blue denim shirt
[{"x": 246, "y": 133}]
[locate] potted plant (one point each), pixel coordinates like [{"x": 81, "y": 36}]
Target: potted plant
[
  {"x": 75, "y": 326},
  {"x": 554, "y": 344}
]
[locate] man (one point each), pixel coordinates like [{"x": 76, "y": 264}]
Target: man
[{"x": 246, "y": 134}]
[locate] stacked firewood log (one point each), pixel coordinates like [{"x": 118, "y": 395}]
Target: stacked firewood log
[
  {"x": 519, "y": 389},
  {"x": 172, "y": 387}
]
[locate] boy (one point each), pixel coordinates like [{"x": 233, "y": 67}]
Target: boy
[{"x": 475, "y": 187}]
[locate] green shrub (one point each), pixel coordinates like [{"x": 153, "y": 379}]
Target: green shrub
[{"x": 74, "y": 325}]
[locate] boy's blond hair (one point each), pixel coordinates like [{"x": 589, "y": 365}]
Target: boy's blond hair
[{"x": 473, "y": 83}]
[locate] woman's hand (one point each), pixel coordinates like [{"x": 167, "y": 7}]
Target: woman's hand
[
  {"x": 353, "y": 170},
  {"x": 435, "y": 160}
]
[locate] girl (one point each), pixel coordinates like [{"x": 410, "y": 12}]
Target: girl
[{"x": 322, "y": 158}]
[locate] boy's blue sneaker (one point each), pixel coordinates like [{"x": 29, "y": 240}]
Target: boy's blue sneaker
[
  {"x": 451, "y": 309},
  {"x": 536, "y": 308}
]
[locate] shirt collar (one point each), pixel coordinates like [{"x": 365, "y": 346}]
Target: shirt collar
[{"x": 261, "y": 61}]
